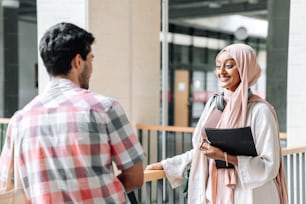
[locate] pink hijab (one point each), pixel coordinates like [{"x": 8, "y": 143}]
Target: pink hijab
[
  {"x": 235, "y": 115},
  {"x": 235, "y": 112}
]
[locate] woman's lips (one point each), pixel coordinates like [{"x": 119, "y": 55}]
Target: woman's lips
[{"x": 223, "y": 79}]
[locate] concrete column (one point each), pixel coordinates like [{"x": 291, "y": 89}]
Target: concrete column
[
  {"x": 296, "y": 107},
  {"x": 53, "y": 12},
  {"x": 127, "y": 53},
  {"x": 1, "y": 62},
  {"x": 9, "y": 57},
  {"x": 277, "y": 58},
  {"x": 127, "y": 49}
]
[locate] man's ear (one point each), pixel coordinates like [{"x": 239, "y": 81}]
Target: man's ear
[{"x": 76, "y": 62}]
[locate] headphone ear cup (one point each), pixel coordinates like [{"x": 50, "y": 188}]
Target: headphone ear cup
[
  {"x": 220, "y": 102},
  {"x": 250, "y": 93},
  {"x": 220, "y": 99}
]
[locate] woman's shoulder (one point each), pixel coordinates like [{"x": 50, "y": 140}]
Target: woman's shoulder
[
  {"x": 260, "y": 108},
  {"x": 259, "y": 105}
]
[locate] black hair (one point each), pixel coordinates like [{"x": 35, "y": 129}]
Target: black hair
[{"x": 60, "y": 44}]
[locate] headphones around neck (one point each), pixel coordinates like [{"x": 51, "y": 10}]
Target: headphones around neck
[{"x": 220, "y": 99}]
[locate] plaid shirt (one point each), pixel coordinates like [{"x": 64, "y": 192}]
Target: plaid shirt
[{"x": 66, "y": 141}]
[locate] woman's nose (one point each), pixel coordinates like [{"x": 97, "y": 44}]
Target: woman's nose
[{"x": 222, "y": 69}]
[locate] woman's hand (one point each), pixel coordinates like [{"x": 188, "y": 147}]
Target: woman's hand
[
  {"x": 217, "y": 154},
  {"x": 155, "y": 166},
  {"x": 212, "y": 152}
]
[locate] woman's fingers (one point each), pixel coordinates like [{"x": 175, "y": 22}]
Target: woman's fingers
[
  {"x": 205, "y": 147},
  {"x": 155, "y": 166}
]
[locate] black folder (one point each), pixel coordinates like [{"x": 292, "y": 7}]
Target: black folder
[{"x": 234, "y": 141}]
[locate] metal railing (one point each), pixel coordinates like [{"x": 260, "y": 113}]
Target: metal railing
[
  {"x": 3, "y": 127},
  {"x": 158, "y": 190},
  {"x": 295, "y": 168}
]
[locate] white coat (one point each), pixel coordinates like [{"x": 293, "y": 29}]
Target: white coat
[{"x": 255, "y": 183}]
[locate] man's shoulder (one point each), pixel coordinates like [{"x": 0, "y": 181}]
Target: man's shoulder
[{"x": 99, "y": 101}]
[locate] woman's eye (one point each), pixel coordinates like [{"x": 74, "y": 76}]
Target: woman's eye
[
  {"x": 229, "y": 66},
  {"x": 218, "y": 67}
]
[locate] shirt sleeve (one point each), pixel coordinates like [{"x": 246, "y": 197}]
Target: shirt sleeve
[
  {"x": 126, "y": 149},
  {"x": 256, "y": 171},
  {"x": 6, "y": 155}
]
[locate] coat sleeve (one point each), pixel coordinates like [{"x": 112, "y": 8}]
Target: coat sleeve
[
  {"x": 254, "y": 172},
  {"x": 175, "y": 167}
]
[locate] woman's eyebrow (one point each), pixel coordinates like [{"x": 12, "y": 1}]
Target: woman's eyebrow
[{"x": 226, "y": 60}]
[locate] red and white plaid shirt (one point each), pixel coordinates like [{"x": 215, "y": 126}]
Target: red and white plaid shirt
[{"x": 66, "y": 141}]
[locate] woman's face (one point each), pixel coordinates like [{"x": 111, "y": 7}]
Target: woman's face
[{"x": 227, "y": 72}]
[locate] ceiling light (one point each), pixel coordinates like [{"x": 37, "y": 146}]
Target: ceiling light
[
  {"x": 10, "y": 3},
  {"x": 214, "y": 5},
  {"x": 253, "y": 1}
]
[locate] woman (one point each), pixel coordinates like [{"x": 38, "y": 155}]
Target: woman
[{"x": 253, "y": 180}]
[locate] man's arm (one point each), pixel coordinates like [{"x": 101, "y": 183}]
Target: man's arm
[{"x": 132, "y": 177}]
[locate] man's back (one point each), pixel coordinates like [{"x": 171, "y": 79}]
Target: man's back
[{"x": 67, "y": 139}]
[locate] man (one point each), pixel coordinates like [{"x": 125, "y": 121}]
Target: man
[{"x": 67, "y": 138}]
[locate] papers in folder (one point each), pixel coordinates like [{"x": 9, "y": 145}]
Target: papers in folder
[{"x": 234, "y": 141}]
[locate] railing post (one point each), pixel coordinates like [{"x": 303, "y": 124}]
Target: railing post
[
  {"x": 171, "y": 193},
  {"x": 300, "y": 155},
  {"x": 140, "y": 136},
  {"x": 3, "y": 128},
  {"x": 148, "y": 192},
  {"x": 160, "y": 185},
  {"x": 148, "y": 146}
]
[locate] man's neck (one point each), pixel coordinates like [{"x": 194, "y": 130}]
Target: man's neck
[{"x": 68, "y": 77}]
